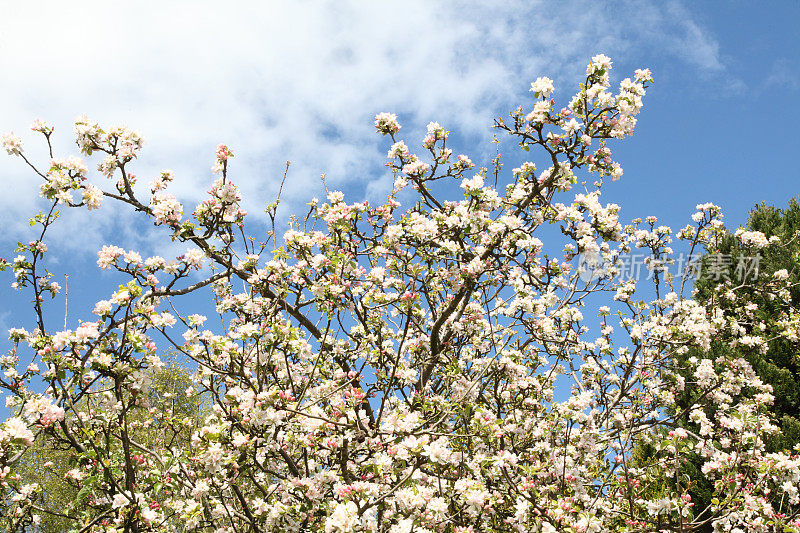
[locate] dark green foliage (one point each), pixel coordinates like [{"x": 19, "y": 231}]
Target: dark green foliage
[{"x": 779, "y": 365}]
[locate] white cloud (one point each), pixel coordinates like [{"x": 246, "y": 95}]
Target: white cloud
[
  {"x": 299, "y": 80},
  {"x": 782, "y": 74},
  {"x": 4, "y": 326}
]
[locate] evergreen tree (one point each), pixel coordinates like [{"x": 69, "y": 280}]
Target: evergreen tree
[
  {"x": 733, "y": 261},
  {"x": 780, "y": 365}
]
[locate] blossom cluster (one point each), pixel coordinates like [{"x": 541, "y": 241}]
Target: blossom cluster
[{"x": 427, "y": 369}]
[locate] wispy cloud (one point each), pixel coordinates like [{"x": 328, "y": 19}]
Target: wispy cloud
[
  {"x": 783, "y": 74},
  {"x": 4, "y": 325},
  {"x": 301, "y": 81}
]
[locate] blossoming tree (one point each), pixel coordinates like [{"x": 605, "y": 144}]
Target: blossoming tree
[{"x": 420, "y": 370}]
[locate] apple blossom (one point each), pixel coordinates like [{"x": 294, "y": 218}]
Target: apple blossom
[{"x": 432, "y": 369}]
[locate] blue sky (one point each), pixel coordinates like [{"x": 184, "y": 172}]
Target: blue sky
[{"x": 302, "y": 81}]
